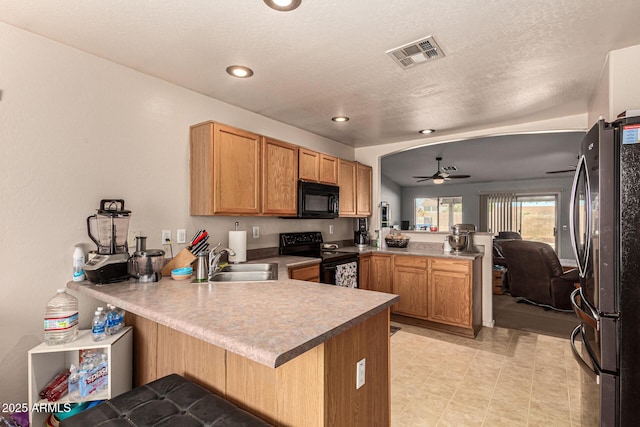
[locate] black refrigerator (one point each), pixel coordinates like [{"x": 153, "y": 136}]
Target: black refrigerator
[{"x": 605, "y": 232}]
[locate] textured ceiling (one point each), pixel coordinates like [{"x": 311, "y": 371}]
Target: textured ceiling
[{"x": 506, "y": 61}]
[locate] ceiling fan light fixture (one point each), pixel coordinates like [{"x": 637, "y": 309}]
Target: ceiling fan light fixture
[
  {"x": 426, "y": 131},
  {"x": 340, "y": 119},
  {"x": 283, "y": 5},
  {"x": 239, "y": 71},
  {"x": 438, "y": 181}
]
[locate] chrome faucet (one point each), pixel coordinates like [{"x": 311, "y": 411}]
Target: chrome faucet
[{"x": 214, "y": 259}]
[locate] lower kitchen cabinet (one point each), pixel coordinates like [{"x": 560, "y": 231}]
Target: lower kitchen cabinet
[
  {"x": 410, "y": 282},
  {"x": 45, "y": 361},
  {"x": 455, "y": 292},
  {"x": 364, "y": 271},
  {"x": 309, "y": 273},
  {"x": 439, "y": 293},
  {"x": 381, "y": 273}
]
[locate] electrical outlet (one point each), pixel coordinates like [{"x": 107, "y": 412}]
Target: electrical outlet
[
  {"x": 166, "y": 236},
  {"x": 256, "y": 232},
  {"x": 330, "y": 228},
  {"x": 360, "y": 368},
  {"x": 181, "y": 236}
]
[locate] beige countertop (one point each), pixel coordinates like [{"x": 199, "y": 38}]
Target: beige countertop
[{"x": 268, "y": 322}]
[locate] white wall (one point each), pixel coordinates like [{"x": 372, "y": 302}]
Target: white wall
[
  {"x": 75, "y": 129},
  {"x": 391, "y": 193}
]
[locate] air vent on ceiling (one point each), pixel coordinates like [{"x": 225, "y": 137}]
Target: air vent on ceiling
[
  {"x": 417, "y": 52},
  {"x": 449, "y": 168}
]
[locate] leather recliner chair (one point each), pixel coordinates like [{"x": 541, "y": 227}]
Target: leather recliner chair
[{"x": 535, "y": 274}]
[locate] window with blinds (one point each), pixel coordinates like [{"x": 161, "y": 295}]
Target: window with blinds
[{"x": 503, "y": 212}]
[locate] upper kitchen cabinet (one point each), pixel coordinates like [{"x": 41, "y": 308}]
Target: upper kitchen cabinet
[
  {"x": 347, "y": 184},
  {"x": 225, "y": 170},
  {"x": 279, "y": 177},
  {"x": 363, "y": 189},
  {"x": 354, "y": 180},
  {"x": 318, "y": 167}
]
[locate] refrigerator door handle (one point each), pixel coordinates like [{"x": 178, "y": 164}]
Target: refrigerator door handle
[
  {"x": 592, "y": 319},
  {"x": 581, "y": 260},
  {"x": 592, "y": 369}
]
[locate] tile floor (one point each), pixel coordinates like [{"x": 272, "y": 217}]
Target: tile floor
[{"x": 504, "y": 377}]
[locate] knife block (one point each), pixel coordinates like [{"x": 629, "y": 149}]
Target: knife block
[{"x": 184, "y": 258}]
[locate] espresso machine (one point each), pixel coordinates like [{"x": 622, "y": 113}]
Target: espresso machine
[
  {"x": 361, "y": 233},
  {"x": 109, "y": 229}
]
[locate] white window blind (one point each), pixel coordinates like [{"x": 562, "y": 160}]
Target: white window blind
[{"x": 503, "y": 212}]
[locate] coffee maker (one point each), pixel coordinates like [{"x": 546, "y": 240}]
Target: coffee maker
[
  {"x": 361, "y": 233},
  {"x": 109, "y": 229}
]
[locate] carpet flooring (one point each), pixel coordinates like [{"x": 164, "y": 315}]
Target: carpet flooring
[{"x": 508, "y": 313}]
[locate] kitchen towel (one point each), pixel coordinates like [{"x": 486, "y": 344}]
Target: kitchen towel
[
  {"x": 238, "y": 242},
  {"x": 347, "y": 275}
]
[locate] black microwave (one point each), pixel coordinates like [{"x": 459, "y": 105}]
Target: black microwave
[{"x": 317, "y": 200}]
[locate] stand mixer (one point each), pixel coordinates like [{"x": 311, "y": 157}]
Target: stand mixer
[
  {"x": 460, "y": 238},
  {"x": 109, "y": 229}
]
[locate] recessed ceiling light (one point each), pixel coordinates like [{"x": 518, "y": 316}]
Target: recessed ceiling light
[
  {"x": 340, "y": 119},
  {"x": 240, "y": 71},
  {"x": 283, "y": 5},
  {"x": 426, "y": 131}
]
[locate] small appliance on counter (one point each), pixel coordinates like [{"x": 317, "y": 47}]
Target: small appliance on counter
[
  {"x": 109, "y": 229},
  {"x": 361, "y": 233},
  {"x": 460, "y": 238},
  {"x": 146, "y": 264}
]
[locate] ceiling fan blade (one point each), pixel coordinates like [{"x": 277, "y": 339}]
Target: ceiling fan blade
[
  {"x": 424, "y": 179},
  {"x": 562, "y": 171},
  {"x": 458, "y": 176}
]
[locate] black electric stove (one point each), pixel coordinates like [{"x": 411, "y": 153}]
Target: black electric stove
[{"x": 310, "y": 244}]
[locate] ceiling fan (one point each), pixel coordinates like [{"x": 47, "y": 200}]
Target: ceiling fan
[
  {"x": 439, "y": 177},
  {"x": 572, "y": 169}
]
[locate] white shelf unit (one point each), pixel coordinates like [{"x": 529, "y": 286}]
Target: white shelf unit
[{"x": 45, "y": 361}]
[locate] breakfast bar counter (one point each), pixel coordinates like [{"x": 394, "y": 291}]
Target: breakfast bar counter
[{"x": 283, "y": 349}]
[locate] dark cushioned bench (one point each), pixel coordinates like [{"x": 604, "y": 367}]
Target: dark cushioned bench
[{"x": 172, "y": 401}]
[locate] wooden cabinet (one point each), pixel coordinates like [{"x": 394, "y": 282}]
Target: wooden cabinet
[
  {"x": 347, "y": 184},
  {"x": 364, "y": 271},
  {"x": 354, "y": 180},
  {"x": 450, "y": 292},
  {"x": 309, "y": 273},
  {"x": 439, "y": 293},
  {"x": 410, "y": 282},
  {"x": 381, "y": 273},
  {"x": 225, "y": 170},
  {"x": 293, "y": 394},
  {"x": 279, "y": 177},
  {"x": 308, "y": 165},
  {"x": 363, "y": 189},
  {"x": 317, "y": 167}
]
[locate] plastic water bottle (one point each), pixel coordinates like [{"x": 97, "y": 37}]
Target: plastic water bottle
[
  {"x": 61, "y": 318},
  {"x": 99, "y": 326},
  {"x": 115, "y": 319},
  {"x": 78, "y": 264}
]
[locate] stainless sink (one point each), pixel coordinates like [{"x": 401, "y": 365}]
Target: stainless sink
[
  {"x": 272, "y": 267},
  {"x": 246, "y": 273}
]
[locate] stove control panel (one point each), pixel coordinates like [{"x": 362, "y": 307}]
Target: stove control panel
[{"x": 296, "y": 239}]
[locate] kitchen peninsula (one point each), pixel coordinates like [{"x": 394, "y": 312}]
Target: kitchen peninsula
[{"x": 285, "y": 350}]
